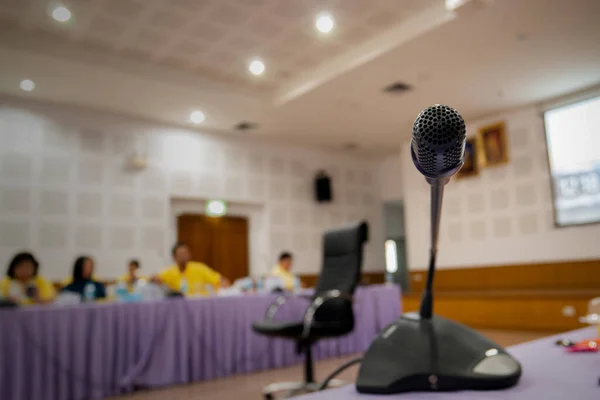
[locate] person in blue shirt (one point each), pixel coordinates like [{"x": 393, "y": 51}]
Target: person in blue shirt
[{"x": 83, "y": 282}]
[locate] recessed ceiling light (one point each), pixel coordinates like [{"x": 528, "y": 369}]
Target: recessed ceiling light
[
  {"x": 27, "y": 85},
  {"x": 256, "y": 67},
  {"x": 324, "y": 22},
  {"x": 452, "y": 5},
  {"x": 197, "y": 117},
  {"x": 61, "y": 14}
]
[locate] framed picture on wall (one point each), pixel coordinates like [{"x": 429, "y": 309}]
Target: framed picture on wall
[
  {"x": 493, "y": 145},
  {"x": 471, "y": 165}
]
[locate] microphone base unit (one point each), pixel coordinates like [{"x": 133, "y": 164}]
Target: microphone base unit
[{"x": 416, "y": 354}]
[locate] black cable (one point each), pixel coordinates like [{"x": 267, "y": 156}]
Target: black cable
[{"x": 338, "y": 371}]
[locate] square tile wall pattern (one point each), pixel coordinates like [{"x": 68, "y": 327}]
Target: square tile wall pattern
[{"x": 65, "y": 189}]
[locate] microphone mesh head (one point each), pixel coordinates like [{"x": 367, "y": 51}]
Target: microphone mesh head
[{"x": 438, "y": 142}]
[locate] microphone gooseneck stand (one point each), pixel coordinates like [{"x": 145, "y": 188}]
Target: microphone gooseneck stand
[
  {"x": 426, "y": 309},
  {"x": 437, "y": 194},
  {"x": 422, "y": 351}
]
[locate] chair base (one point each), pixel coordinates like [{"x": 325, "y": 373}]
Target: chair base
[{"x": 295, "y": 388}]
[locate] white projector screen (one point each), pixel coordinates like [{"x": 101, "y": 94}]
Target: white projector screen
[{"x": 573, "y": 135}]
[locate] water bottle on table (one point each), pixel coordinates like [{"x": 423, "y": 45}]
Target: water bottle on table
[
  {"x": 140, "y": 290},
  {"x": 183, "y": 286},
  {"x": 89, "y": 292},
  {"x": 122, "y": 292},
  {"x": 140, "y": 285},
  {"x": 16, "y": 292},
  {"x": 259, "y": 285},
  {"x": 297, "y": 284}
]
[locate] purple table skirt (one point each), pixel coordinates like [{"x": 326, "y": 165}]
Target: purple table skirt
[
  {"x": 93, "y": 351},
  {"x": 549, "y": 373}
]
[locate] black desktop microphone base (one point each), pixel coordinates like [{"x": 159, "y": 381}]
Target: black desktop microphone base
[{"x": 414, "y": 354}]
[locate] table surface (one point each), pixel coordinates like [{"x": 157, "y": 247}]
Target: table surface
[
  {"x": 91, "y": 351},
  {"x": 549, "y": 373}
]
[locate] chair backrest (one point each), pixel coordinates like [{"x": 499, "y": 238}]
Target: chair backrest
[
  {"x": 342, "y": 264},
  {"x": 342, "y": 258}
]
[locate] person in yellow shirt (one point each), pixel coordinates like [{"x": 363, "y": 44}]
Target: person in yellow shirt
[
  {"x": 131, "y": 277},
  {"x": 282, "y": 270},
  {"x": 23, "y": 285},
  {"x": 189, "y": 277}
]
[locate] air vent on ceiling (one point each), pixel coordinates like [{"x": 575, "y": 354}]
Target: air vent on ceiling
[
  {"x": 245, "y": 126},
  {"x": 397, "y": 88}
]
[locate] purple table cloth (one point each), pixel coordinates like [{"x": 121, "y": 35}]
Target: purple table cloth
[
  {"x": 549, "y": 373},
  {"x": 93, "y": 351}
]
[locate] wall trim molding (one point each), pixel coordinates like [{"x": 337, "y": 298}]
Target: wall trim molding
[
  {"x": 555, "y": 275},
  {"x": 366, "y": 278},
  {"x": 548, "y": 297}
]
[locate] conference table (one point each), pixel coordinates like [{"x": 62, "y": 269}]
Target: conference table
[
  {"x": 549, "y": 373},
  {"x": 96, "y": 350}
]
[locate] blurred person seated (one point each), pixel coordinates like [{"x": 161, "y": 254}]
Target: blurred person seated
[
  {"x": 282, "y": 271},
  {"x": 131, "y": 278},
  {"x": 23, "y": 285},
  {"x": 83, "y": 282},
  {"x": 189, "y": 277},
  {"x": 68, "y": 280}
]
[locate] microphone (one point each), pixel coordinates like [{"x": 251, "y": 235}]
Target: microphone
[
  {"x": 438, "y": 151},
  {"x": 438, "y": 143},
  {"x": 422, "y": 351}
]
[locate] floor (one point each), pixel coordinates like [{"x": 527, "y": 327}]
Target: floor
[{"x": 248, "y": 387}]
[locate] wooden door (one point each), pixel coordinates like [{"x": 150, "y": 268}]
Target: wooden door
[{"x": 219, "y": 242}]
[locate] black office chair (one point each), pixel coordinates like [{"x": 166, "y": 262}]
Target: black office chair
[{"x": 330, "y": 313}]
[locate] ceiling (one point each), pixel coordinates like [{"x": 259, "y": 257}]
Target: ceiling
[
  {"x": 161, "y": 59},
  {"x": 214, "y": 38}
]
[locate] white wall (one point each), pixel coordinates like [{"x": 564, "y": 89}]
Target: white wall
[
  {"x": 504, "y": 215},
  {"x": 64, "y": 190},
  {"x": 390, "y": 178}
]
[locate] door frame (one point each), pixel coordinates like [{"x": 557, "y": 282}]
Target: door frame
[{"x": 258, "y": 252}]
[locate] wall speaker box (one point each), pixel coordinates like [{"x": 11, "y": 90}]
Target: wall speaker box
[{"x": 323, "y": 192}]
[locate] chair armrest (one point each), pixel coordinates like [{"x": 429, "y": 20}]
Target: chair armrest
[
  {"x": 277, "y": 303},
  {"x": 317, "y": 303},
  {"x": 274, "y": 307}
]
